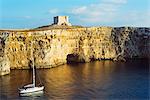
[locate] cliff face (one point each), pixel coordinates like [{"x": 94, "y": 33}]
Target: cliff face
[
  {"x": 54, "y": 47},
  {"x": 4, "y": 61},
  {"x": 131, "y": 42}
]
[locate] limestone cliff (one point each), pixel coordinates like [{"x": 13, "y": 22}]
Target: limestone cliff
[
  {"x": 4, "y": 61},
  {"x": 53, "y": 47}
]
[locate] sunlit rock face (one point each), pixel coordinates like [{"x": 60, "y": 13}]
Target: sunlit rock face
[
  {"x": 4, "y": 61},
  {"x": 54, "y": 47}
]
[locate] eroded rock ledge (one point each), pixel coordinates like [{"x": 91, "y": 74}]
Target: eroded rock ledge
[{"x": 53, "y": 47}]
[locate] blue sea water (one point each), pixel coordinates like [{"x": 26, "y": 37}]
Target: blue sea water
[{"x": 99, "y": 80}]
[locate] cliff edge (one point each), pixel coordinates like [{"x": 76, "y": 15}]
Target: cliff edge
[{"x": 56, "y": 46}]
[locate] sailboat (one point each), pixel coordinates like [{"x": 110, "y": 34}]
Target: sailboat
[{"x": 31, "y": 88}]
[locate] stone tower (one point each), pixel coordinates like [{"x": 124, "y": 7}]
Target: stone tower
[{"x": 61, "y": 20}]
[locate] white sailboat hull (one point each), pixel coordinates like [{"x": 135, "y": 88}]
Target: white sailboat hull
[{"x": 31, "y": 89}]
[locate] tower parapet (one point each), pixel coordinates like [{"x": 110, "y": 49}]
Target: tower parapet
[{"x": 62, "y": 20}]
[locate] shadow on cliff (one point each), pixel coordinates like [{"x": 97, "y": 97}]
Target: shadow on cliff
[{"x": 74, "y": 58}]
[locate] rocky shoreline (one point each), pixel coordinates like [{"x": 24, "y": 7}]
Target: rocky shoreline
[{"x": 56, "y": 46}]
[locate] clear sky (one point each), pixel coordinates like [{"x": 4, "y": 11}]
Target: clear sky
[{"x": 34, "y": 13}]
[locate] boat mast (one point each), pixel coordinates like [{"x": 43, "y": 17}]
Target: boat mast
[{"x": 33, "y": 64}]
